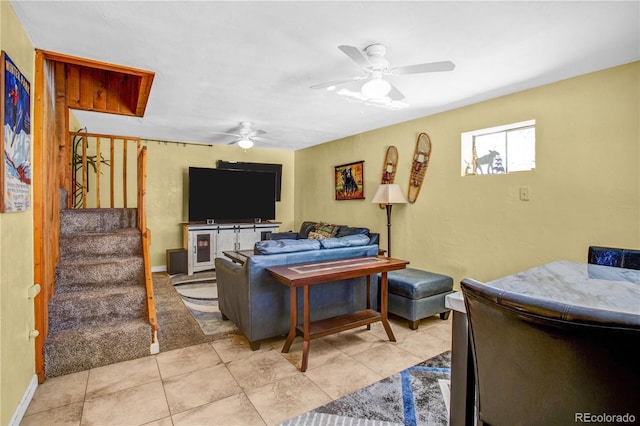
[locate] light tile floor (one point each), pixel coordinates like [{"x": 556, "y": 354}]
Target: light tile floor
[{"x": 225, "y": 383}]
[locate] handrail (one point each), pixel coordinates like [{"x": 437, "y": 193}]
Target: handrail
[
  {"x": 146, "y": 242},
  {"x": 94, "y": 157},
  {"x": 90, "y": 159}
]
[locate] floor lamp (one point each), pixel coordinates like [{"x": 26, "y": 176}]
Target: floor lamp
[{"x": 389, "y": 194}]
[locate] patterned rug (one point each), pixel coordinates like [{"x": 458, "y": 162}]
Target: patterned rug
[
  {"x": 417, "y": 396},
  {"x": 199, "y": 294}
]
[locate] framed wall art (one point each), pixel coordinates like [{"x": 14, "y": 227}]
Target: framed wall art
[
  {"x": 349, "y": 181},
  {"x": 15, "y": 138}
]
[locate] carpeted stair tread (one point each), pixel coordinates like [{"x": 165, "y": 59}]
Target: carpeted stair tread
[
  {"x": 116, "y": 243},
  {"x": 98, "y": 261},
  {"x": 121, "y": 231},
  {"x": 98, "y": 273},
  {"x": 85, "y": 308},
  {"x": 70, "y": 351},
  {"x": 74, "y": 221},
  {"x": 98, "y": 314}
]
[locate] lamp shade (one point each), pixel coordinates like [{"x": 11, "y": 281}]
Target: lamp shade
[{"x": 389, "y": 193}]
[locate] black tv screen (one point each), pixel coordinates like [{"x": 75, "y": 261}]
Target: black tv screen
[
  {"x": 256, "y": 167},
  {"x": 231, "y": 195}
]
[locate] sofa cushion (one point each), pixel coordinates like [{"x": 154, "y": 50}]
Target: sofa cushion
[
  {"x": 285, "y": 246},
  {"x": 289, "y": 235},
  {"x": 326, "y": 230},
  {"x": 416, "y": 284},
  {"x": 305, "y": 228},
  {"x": 313, "y": 235},
  {"x": 348, "y": 241},
  {"x": 329, "y": 231},
  {"x": 347, "y": 230}
]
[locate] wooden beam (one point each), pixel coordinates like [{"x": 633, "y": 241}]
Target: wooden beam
[
  {"x": 104, "y": 87},
  {"x": 99, "y": 90}
]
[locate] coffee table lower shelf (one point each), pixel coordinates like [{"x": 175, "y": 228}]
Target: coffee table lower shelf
[
  {"x": 305, "y": 275},
  {"x": 329, "y": 326}
]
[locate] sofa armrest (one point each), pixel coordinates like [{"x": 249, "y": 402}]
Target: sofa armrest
[{"x": 233, "y": 291}]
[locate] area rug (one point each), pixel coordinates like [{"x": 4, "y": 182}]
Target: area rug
[
  {"x": 416, "y": 396},
  {"x": 177, "y": 328},
  {"x": 199, "y": 294}
]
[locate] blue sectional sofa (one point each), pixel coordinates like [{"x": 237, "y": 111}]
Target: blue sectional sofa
[
  {"x": 259, "y": 305},
  {"x": 310, "y": 230}
]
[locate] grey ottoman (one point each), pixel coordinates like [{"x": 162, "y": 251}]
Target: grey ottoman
[{"x": 416, "y": 294}]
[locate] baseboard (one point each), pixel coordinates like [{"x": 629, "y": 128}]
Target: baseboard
[
  {"x": 161, "y": 268},
  {"x": 16, "y": 419}
]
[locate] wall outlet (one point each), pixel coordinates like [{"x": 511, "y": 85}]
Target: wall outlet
[{"x": 524, "y": 193}]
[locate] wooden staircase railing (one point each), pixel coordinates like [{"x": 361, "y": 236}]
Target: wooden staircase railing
[
  {"x": 146, "y": 242},
  {"x": 97, "y": 152},
  {"x": 88, "y": 152}
]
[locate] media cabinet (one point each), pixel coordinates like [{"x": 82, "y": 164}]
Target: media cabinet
[{"x": 205, "y": 242}]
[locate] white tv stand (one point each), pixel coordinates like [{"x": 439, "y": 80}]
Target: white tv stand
[{"x": 205, "y": 242}]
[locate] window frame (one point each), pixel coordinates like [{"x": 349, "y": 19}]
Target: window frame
[{"x": 468, "y": 142}]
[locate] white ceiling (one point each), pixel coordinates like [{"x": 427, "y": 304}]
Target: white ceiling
[{"x": 217, "y": 63}]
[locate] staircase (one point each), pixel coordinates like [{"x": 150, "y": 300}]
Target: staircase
[{"x": 98, "y": 314}]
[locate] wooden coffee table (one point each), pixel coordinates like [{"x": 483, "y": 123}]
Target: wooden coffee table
[{"x": 307, "y": 274}]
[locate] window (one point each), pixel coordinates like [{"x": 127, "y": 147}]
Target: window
[{"x": 504, "y": 149}]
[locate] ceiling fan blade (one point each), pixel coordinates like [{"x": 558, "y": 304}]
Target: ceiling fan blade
[
  {"x": 257, "y": 132},
  {"x": 355, "y": 54},
  {"x": 334, "y": 83},
  {"x": 227, "y": 134},
  {"x": 420, "y": 68},
  {"x": 395, "y": 94},
  {"x": 234, "y": 142}
]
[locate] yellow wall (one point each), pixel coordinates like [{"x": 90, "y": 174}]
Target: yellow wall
[
  {"x": 17, "y": 352},
  {"x": 585, "y": 191},
  {"x": 167, "y": 190}
]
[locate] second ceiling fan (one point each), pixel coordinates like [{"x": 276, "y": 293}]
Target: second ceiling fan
[
  {"x": 376, "y": 67},
  {"x": 246, "y": 135}
]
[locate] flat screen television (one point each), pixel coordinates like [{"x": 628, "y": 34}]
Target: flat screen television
[
  {"x": 231, "y": 195},
  {"x": 256, "y": 167}
]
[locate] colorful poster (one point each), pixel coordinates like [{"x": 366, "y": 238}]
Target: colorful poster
[
  {"x": 349, "y": 179},
  {"x": 15, "y": 169}
]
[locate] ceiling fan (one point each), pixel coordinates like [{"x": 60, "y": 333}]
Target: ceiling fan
[
  {"x": 376, "y": 67},
  {"x": 246, "y": 135}
]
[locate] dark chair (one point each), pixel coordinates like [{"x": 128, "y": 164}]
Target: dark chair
[
  {"x": 539, "y": 362},
  {"x": 611, "y": 256}
]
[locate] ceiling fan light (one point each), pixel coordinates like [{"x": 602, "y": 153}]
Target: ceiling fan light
[
  {"x": 376, "y": 88},
  {"x": 245, "y": 143}
]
